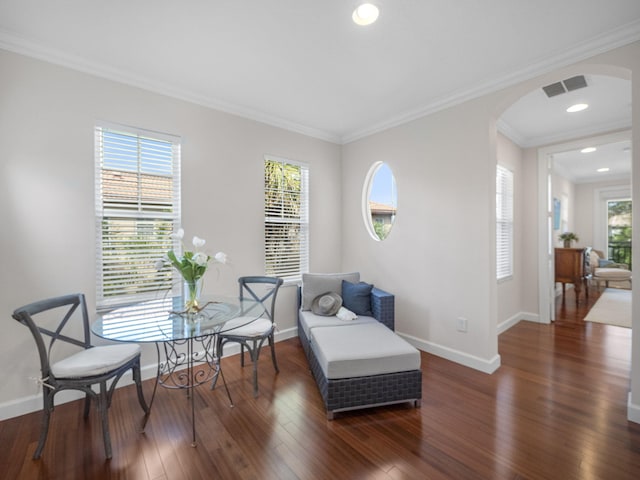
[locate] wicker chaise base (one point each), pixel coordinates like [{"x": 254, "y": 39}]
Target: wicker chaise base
[{"x": 361, "y": 392}]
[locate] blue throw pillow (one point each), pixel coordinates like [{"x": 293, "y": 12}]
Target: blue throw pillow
[
  {"x": 604, "y": 263},
  {"x": 357, "y": 297}
]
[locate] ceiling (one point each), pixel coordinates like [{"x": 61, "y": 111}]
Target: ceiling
[
  {"x": 536, "y": 119},
  {"x": 305, "y": 66},
  {"x": 583, "y": 167}
]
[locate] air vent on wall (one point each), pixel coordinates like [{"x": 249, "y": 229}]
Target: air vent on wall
[{"x": 565, "y": 86}]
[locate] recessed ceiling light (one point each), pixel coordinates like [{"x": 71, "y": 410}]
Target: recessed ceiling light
[
  {"x": 365, "y": 14},
  {"x": 578, "y": 107},
  {"x": 588, "y": 150},
  {"x": 604, "y": 169}
]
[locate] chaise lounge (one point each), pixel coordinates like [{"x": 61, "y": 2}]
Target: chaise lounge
[{"x": 358, "y": 361}]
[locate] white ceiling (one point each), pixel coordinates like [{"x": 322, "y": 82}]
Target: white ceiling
[
  {"x": 303, "y": 64},
  {"x": 583, "y": 167},
  {"x": 536, "y": 119}
]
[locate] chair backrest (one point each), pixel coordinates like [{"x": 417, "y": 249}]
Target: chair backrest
[
  {"x": 47, "y": 312},
  {"x": 253, "y": 287}
]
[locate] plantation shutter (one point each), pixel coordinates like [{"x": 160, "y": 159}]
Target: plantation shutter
[
  {"x": 504, "y": 222},
  {"x": 286, "y": 222},
  {"x": 137, "y": 208}
]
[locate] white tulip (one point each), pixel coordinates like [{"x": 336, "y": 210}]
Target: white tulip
[
  {"x": 160, "y": 264},
  {"x": 178, "y": 234},
  {"x": 198, "y": 242},
  {"x": 200, "y": 259},
  {"x": 221, "y": 257}
]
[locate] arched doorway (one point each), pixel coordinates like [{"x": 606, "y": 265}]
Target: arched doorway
[{"x": 545, "y": 146}]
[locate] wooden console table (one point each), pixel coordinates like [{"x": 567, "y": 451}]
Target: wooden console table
[{"x": 571, "y": 268}]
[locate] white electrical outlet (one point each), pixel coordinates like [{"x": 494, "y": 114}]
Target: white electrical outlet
[{"x": 461, "y": 326}]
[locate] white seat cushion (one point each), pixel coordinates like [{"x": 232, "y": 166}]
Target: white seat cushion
[
  {"x": 95, "y": 361},
  {"x": 359, "y": 350},
  {"x": 256, "y": 328},
  {"x": 613, "y": 273}
]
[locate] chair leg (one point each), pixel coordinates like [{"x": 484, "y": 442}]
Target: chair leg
[
  {"x": 255, "y": 353},
  {"x": 87, "y": 405},
  {"x": 137, "y": 378},
  {"x": 272, "y": 344},
  {"x": 46, "y": 416},
  {"x": 103, "y": 405},
  {"x": 241, "y": 355}
]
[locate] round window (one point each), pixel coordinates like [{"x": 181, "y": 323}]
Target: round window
[{"x": 379, "y": 201}]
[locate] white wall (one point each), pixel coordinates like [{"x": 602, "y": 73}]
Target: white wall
[
  {"x": 530, "y": 301},
  {"x": 563, "y": 189},
  {"x": 439, "y": 258},
  {"x": 510, "y": 290},
  {"x": 47, "y": 117}
]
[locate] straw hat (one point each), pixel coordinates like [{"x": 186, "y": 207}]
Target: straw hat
[{"x": 326, "y": 304}]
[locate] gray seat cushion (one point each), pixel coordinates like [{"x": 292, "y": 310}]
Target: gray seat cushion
[
  {"x": 309, "y": 321},
  {"x": 359, "y": 350},
  {"x": 612, "y": 274}
]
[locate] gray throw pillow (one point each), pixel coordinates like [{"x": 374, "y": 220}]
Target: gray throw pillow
[{"x": 314, "y": 284}]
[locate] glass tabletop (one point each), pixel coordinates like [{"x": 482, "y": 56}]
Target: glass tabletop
[{"x": 163, "y": 320}]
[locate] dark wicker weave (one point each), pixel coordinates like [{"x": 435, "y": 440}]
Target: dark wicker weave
[{"x": 361, "y": 392}]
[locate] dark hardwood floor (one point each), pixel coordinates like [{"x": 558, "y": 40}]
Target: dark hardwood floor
[{"x": 556, "y": 409}]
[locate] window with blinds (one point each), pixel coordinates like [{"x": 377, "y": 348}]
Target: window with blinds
[
  {"x": 504, "y": 222},
  {"x": 137, "y": 208},
  {"x": 286, "y": 218}
]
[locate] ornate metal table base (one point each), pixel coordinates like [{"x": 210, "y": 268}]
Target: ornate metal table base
[
  {"x": 178, "y": 372},
  {"x": 188, "y": 340}
]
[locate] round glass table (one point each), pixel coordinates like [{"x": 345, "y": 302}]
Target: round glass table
[{"x": 187, "y": 339}]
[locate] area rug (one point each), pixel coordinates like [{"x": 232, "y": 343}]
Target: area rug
[{"x": 613, "y": 308}]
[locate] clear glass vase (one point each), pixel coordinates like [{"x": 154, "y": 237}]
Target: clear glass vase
[{"x": 192, "y": 291}]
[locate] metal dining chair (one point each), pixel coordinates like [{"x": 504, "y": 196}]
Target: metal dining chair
[
  {"x": 251, "y": 335},
  {"x": 79, "y": 371}
]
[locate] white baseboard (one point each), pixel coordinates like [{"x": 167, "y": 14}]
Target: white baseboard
[
  {"x": 33, "y": 403},
  {"x": 511, "y": 321},
  {"x": 471, "y": 361},
  {"x": 633, "y": 411}
]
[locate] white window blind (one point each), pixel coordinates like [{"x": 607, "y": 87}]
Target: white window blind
[
  {"x": 504, "y": 222},
  {"x": 286, "y": 218},
  {"x": 137, "y": 208}
]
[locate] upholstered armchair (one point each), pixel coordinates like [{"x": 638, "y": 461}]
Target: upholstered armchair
[{"x": 604, "y": 270}]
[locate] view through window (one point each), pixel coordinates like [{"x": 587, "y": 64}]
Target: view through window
[
  {"x": 137, "y": 208},
  {"x": 380, "y": 201},
  {"x": 619, "y": 231},
  {"x": 286, "y": 218}
]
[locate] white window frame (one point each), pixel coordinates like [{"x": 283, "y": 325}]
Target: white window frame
[
  {"x": 287, "y": 258},
  {"x": 504, "y": 223},
  {"x": 137, "y": 199}
]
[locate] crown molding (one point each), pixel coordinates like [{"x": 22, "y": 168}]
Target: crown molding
[
  {"x": 615, "y": 38},
  {"x": 531, "y": 142},
  {"x": 511, "y": 133},
  {"x": 16, "y": 44},
  {"x": 602, "y": 43}
]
